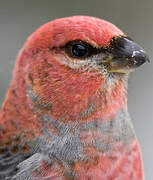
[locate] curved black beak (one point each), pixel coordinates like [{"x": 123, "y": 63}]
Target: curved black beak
[{"x": 126, "y": 55}]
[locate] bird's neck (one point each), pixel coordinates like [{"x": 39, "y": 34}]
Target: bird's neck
[{"x": 19, "y": 111}]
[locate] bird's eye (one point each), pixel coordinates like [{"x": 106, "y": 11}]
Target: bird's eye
[{"x": 77, "y": 49}]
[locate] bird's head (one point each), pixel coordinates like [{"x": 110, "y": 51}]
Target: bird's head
[{"x": 75, "y": 65}]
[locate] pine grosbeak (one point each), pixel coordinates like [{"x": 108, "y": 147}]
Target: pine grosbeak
[{"x": 65, "y": 113}]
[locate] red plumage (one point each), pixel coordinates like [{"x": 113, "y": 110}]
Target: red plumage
[{"x": 66, "y": 117}]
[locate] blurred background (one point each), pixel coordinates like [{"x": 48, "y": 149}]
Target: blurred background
[{"x": 19, "y": 18}]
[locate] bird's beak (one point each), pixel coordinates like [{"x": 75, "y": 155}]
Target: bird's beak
[{"x": 125, "y": 55}]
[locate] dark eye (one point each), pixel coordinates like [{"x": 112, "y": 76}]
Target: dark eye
[{"x": 78, "y": 49}]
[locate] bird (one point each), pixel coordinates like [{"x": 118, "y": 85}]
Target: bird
[{"x": 65, "y": 113}]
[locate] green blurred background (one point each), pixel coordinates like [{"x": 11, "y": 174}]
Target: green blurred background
[{"x": 19, "y": 18}]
